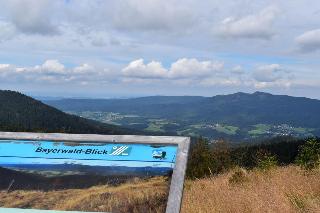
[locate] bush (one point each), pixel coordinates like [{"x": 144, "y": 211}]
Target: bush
[
  {"x": 200, "y": 160},
  {"x": 221, "y": 154},
  {"x": 309, "y": 154},
  {"x": 210, "y": 159},
  {"x": 265, "y": 160},
  {"x": 205, "y": 160},
  {"x": 238, "y": 177}
]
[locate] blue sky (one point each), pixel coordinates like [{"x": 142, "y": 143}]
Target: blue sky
[{"x": 117, "y": 48}]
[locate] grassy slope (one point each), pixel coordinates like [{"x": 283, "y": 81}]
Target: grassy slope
[
  {"x": 137, "y": 196},
  {"x": 284, "y": 189}
]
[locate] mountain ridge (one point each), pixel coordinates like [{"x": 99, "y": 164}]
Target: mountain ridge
[
  {"x": 257, "y": 93},
  {"x": 238, "y": 114},
  {"x": 19, "y": 112}
]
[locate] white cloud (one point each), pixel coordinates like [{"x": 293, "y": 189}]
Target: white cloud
[
  {"x": 220, "y": 82},
  {"x": 137, "y": 69},
  {"x": 99, "y": 42},
  {"x": 49, "y": 67},
  {"x": 32, "y": 16},
  {"x": 182, "y": 68},
  {"x": 309, "y": 41},
  {"x": 207, "y": 74},
  {"x": 7, "y": 31},
  {"x": 272, "y": 76},
  {"x": 52, "y": 71},
  {"x": 130, "y": 16},
  {"x": 282, "y": 83},
  {"x": 193, "y": 68},
  {"x": 84, "y": 68},
  {"x": 98, "y": 38},
  {"x": 136, "y": 15},
  {"x": 256, "y": 26},
  {"x": 5, "y": 70},
  {"x": 238, "y": 70},
  {"x": 267, "y": 73},
  {"x": 4, "y": 67},
  {"x": 181, "y": 73},
  {"x": 52, "y": 66}
]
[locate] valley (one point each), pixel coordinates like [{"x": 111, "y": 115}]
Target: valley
[
  {"x": 210, "y": 130},
  {"x": 236, "y": 117}
]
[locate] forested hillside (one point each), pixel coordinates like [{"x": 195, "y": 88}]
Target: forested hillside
[
  {"x": 19, "y": 112},
  {"x": 238, "y": 116},
  {"x": 235, "y": 109}
]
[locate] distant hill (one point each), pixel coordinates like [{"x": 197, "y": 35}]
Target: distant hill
[
  {"x": 19, "y": 112},
  {"x": 237, "y": 116},
  {"x": 235, "y": 109},
  {"x": 133, "y": 105}
]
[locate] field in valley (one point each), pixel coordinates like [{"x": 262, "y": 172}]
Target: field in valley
[{"x": 191, "y": 127}]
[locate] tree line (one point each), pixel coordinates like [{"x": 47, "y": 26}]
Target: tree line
[{"x": 210, "y": 159}]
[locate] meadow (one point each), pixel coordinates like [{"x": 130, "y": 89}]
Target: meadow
[{"x": 281, "y": 189}]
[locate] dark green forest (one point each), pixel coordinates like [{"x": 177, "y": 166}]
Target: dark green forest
[
  {"x": 239, "y": 109},
  {"x": 19, "y": 112},
  {"x": 236, "y": 117},
  {"x": 207, "y": 160}
]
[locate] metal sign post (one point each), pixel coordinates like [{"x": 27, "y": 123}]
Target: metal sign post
[{"x": 109, "y": 155}]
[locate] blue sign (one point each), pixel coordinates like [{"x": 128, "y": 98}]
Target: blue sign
[
  {"x": 23, "y": 154},
  {"x": 44, "y": 166}
]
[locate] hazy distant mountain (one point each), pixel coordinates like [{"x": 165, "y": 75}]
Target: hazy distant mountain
[
  {"x": 238, "y": 115},
  {"x": 134, "y": 105},
  {"x": 19, "y": 112}
]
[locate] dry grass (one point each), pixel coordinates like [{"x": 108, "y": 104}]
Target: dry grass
[
  {"x": 286, "y": 189},
  {"x": 137, "y": 196}
]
